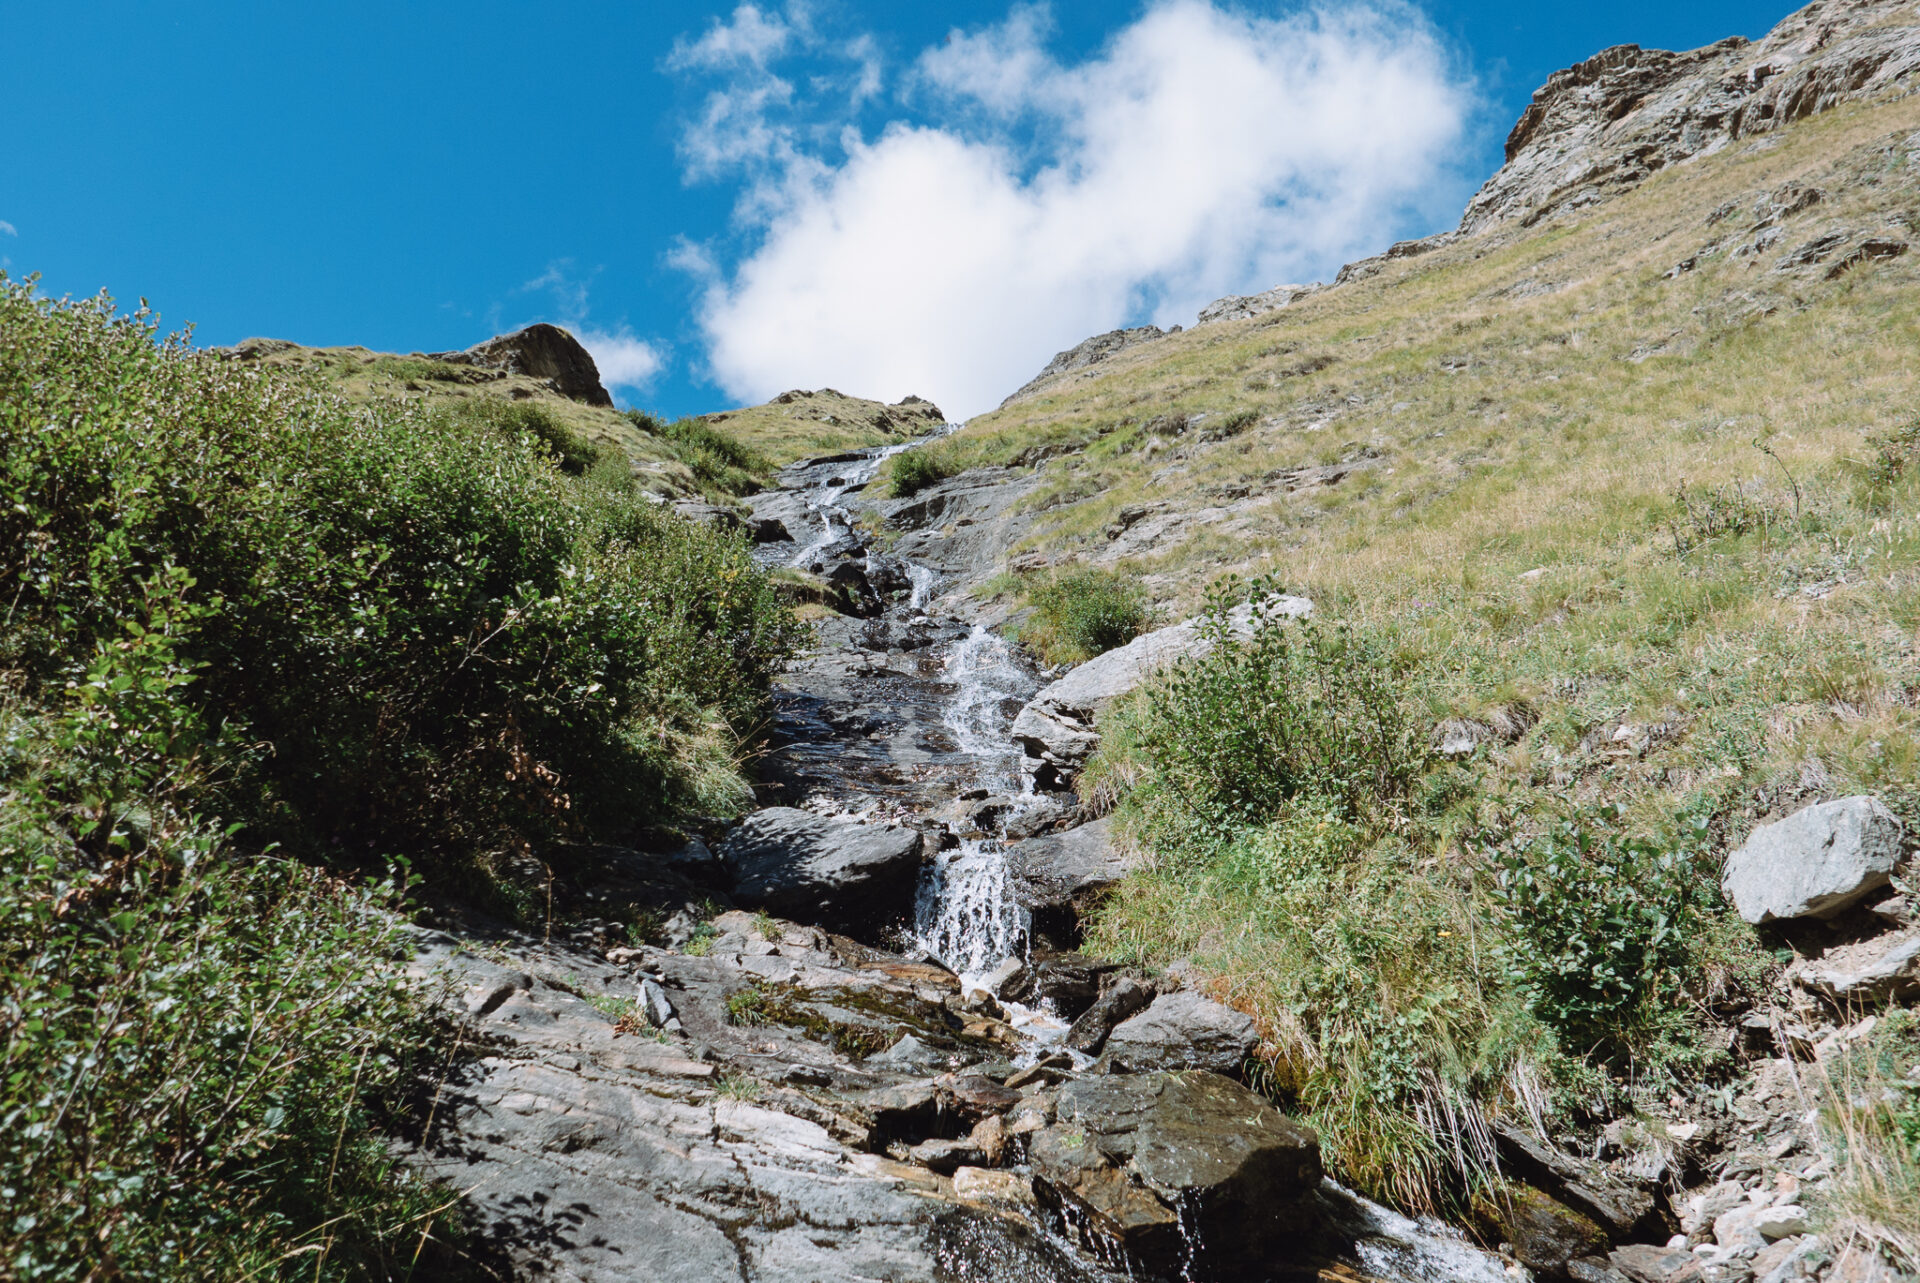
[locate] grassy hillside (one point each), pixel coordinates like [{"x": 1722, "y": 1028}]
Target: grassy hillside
[
  {"x": 799, "y": 424},
  {"x": 1630, "y": 499}
]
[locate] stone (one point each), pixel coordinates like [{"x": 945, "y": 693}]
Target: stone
[
  {"x": 1056, "y": 727},
  {"x": 844, "y": 875},
  {"x": 1583, "y": 1185},
  {"x": 541, "y": 352},
  {"x": 1645, "y": 1263},
  {"x": 1122, "y": 998},
  {"x": 1066, "y": 984},
  {"x": 1739, "y": 1228},
  {"x": 989, "y": 1136},
  {"x": 654, "y": 1004},
  {"x": 944, "y": 1156},
  {"x": 1184, "y": 1030},
  {"x": 1239, "y": 307},
  {"x": 1083, "y": 354},
  {"x": 769, "y": 530},
  {"x": 1787, "y": 1260},
  {"x": 1781, "y": 1222},
  {"x": 1178, "y": 1172},
  {"x": 1870, "y": 970},
  {"x": 980, "y": 1184},
  {"x": 1815, "y": 863}
]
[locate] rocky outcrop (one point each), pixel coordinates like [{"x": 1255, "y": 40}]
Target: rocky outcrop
[
  {"x": 1183, "y": 1030},
  {"x": 1086, "y": 353},
  {"x": 854, "y": 877},
  {"x": 1605, "y": 125},
  {"x": 1057, "y": 877},
  {"x": 541, "y": 352},
  {"x": 1056, "y": 728},
  {"x": 1239, "y": 307},
  {"x": 1184, "y": 1175},
  {"x": 1815, "y": 863}
]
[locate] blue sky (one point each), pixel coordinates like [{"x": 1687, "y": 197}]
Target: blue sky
[{"x": 729, "y": 200}]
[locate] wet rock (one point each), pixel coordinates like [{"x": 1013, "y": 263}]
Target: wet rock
[
  {"x": 852, "y": 877},
  {"x": 1588, "y": 1187},
  {"x": 1184, "y": 1030},
  {"x": 1544, "y": 1233},
  {"x": 1059, "y": 877},
  {"x": 1068, "y": 983},
  {"x": 944, "y": 1156},
  {"x": 1056, "y": 728},
  {"x": 1178, "y": 1172},
  {"x": 1815, "y": 863},
  {"x": 856, "y": 594},
  {"x": 769, "y": 530},
  {"x": 1122, "y": 998},
  {"x": 980, "y": 1184}
]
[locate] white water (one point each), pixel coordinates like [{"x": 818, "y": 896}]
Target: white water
[{"x": 823, "y": 501}]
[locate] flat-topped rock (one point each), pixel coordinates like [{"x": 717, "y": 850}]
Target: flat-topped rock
[{"x": 1184, "y": 1030}]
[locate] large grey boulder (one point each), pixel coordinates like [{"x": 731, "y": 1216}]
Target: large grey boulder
[
  {"x": 1056, "y": 728},
  {"x": 1815, "y": 863},
  {"x": 1184, "y": 1030},
  {"x": 851, "y": 877},
  {"x": 1057, "y": 877},
  {"x": 1187, "y": 1175}
]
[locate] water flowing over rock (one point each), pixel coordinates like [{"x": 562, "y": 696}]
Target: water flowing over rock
[
  {"x": 1815, "y": 863},
  {"x": 1186, "y": 1175}
]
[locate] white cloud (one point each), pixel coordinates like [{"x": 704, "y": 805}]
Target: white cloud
[
  {"x": 1203, "y": 152},
  {"x": 753, "y": 37},
  {"x": 8, "y": 229},
  {"x": 623, "y": 360}
]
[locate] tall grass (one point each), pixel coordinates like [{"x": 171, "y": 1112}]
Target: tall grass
[
  {"x": 1870, "y": 1119},
  {"x": 1079, "y": 614}
]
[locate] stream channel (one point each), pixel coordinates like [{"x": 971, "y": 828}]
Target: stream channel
[{"x": 901, "y": 713}]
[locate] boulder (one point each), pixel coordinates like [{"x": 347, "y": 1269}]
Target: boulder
[
  {"x": 1184, "y": 1031},
  {"x": 1056, "y": 728},
  {"x": 844, "y": 875},
  {"x": 1185, "y": 1175},
  {"x": 1544, "y": 1233},
  {"x": 1587, "y": 1187},
  {"x": 1815, "y": 863},
  {"x": 1066, "y": 983},
  {"x": 541, "y": 352}
]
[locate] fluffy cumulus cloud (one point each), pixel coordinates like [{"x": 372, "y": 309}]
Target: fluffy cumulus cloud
[{"x": 1016, "y": 204}]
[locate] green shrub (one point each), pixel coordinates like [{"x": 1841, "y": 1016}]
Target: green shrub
[
  {"x": 1601, "y": 924},
  {"x": 911, "y": 471},
  {"x": 1084, "y": 613},
  {"x": 719, "y": 462},
  {"x": 197, "y": 1048},
  {"x": 1295, "y": 709},
  {"x": 445, "y": 642}
]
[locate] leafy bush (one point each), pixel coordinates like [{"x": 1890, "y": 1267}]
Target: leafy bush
[
  {"x": 445, "y": 642},
  {"x": 195, "y": 1046},
  {"x": 1084, "y": 613},
  {"x": 1600, "y": 930},
  {"x": 911, "y": 471},
  {"x": 719, "y": 462},
  {"x": 1294, "y": 708}
]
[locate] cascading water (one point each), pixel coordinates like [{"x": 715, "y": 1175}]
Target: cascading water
[{"x": 967, "y": 915}]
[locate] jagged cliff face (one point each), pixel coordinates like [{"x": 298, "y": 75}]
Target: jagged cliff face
[{"x": 1608, "y": 123}]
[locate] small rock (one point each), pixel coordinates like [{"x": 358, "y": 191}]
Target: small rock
[
  {"x": 981, "y": 1185},
  {"x": 944, "y": 1156},
  {"x": 1185, "y": 1031},
  {"x": 1122, "y": 999},
  {"x": 1780, "y": 1222},
  {"x": 1644, "y": 1263},
  {"x": 989, "y": 1136},
  {"x": 654, "y": 1004},
  {"x": 908, "y": 1053}
]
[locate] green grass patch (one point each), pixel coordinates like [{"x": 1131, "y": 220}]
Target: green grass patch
[{"x": 1082, "y": 613}]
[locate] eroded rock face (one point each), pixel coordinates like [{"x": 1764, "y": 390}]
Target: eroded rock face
[
  {"x": 1815, "y": 863},
  {"x": 1184, "y": 1174},
  {"x": 1238, "y": 307},
  {"x": 1056, "y": 728},
  {"x": 1606, "y": 124},
  {"x": 853, "y": 877},
  {"x": 541, "y": 352}
]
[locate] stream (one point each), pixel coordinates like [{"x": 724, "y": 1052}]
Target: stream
[{"x": 904, "y": 716}]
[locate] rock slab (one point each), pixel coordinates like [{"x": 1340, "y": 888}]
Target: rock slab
[
  {"x": 1815, "y": 863},
  {"x": 1184, "y": 1030}
]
